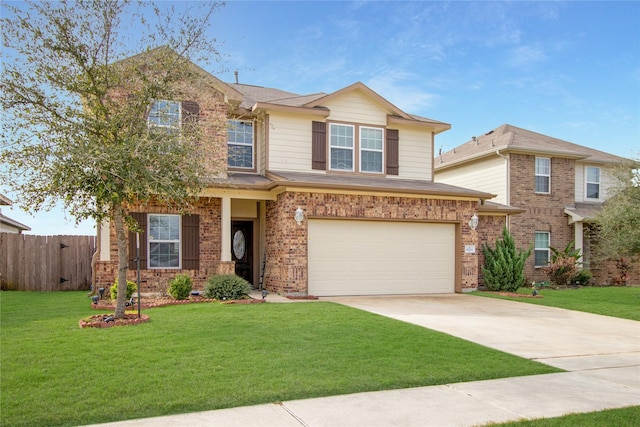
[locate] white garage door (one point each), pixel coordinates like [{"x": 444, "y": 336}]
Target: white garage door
[{"x": 350, "y": 257}]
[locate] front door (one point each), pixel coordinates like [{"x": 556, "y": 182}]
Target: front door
[{"x": 242, "y": 248}]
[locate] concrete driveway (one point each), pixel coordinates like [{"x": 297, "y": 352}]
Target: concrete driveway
[{"x": 566, "y": 339}]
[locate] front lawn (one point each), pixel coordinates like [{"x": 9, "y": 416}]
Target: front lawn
[
  {"x": 623, "y": 417},
  {"x": 208, "y": 356},
  {"x": 610, "y": 301}
]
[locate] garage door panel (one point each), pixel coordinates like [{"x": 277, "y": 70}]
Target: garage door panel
[{"x": 350, "y": 257}]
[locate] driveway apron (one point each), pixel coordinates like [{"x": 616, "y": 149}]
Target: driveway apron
[{"x": 566, "y": 339}]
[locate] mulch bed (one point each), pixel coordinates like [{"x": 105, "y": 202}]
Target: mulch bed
[
  {"x": 107, "y": 320},
  {"x": 153, "y": 302},
  {"x": 294, "y": 297},
  {"x": 517, "y": 295}
]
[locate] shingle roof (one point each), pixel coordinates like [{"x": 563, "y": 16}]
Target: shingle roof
[
  {"x": 259, "y": 94},
  {"x": 378, "y": 184},
  {"x": 511, "y": 138},
  {"x": 253, "y": 94},
  {"x": 583, "y": 212}
]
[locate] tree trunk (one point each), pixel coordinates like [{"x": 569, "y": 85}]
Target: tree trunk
[{"x": 123, "y": 263}]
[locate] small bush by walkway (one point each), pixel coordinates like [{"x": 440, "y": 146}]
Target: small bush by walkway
[{"x": 207, "y": 356}]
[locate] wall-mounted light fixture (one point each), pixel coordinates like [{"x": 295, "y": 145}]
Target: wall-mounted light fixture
[
  {"x": 299, "y": 215},
  {"x": 473, "y": 222}
]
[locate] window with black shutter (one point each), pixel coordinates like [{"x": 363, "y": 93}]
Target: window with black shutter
[
  {"x": 163, "y": 246},
  {"x": 392, "y": 151},
  {"x": 319, "y": 145}
]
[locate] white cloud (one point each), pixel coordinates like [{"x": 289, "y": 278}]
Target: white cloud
[
  {"x": 526, "y": 56},
  {"x": 402, "y": 89}
]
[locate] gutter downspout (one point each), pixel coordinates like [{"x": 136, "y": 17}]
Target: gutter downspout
[{"x": 506, "y": 158}]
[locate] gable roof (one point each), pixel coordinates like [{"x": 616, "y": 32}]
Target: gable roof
[
  {"x": 263, "y": 98},
  {"x": 231, "y": 95},
  {"x": 508, "y": 138}
]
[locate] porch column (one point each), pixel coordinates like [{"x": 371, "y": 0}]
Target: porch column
[
  {"x": 225, "y": 253},
  {"x": 579, "y": 237}
]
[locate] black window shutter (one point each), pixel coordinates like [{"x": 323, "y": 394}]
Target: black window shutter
[
  {"x": 319, "y": 145},
  {"x": 392, "y": 151},
  {"x": 141, "y": 219},
  {"x": 190, "y": 111},
  {"x": 191, "y": 242}
]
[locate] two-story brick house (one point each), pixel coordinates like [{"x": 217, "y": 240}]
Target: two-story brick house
[
  {"x": 560, "y": 187},
  {"x": 321, "y": 194}
]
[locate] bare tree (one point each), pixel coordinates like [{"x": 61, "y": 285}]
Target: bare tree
[{"x": 77, "y": 102}]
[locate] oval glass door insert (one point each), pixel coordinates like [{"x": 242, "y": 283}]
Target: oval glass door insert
[{"x": 239, "y": 244}]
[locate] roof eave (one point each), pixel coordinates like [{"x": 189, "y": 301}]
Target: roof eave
[
  {"x": 470, "y": 194},
  {"x": 266, "y": 107},
  {"x": 438, "y": 127},
  {"x": 13, "y": 223}
]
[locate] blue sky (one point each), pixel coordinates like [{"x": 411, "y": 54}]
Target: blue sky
[{"x": 570, "y": 70}]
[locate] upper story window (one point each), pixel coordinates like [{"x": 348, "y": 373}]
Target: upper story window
[
  {"x": 341, "y": 145},
  {"x": 351, "y": 148},
  {"x": 541, "y": 252},
  {"x": 371, "y": 152},
  {"x": 367, "y": 142},
  {"x": 164, "y": 241},
  {"x": 592, "y": 175},
  {"x": 165, "y": 114},
  {"x": 543, "y": 175},
  {"x": 241, "y": 146}
]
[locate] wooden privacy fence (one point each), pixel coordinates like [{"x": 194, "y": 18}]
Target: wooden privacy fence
[{"x": 45, "y": 263}]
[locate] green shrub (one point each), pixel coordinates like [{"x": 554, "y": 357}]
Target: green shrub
[
  {"x": 180, "y": 286},
  {"x": 227, "y": 286},
  {"x": 131, "y": 288},
  {"x": 563, "y": 266},
  {"x": 582, "y": 278},
  {"x": 504, "y": 266},
  {"x": 561, "y": 271}
]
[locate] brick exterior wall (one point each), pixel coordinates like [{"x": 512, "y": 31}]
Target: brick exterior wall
[
  {"x": 212, "y": 133},
  {"x": 156, "y": 280},
  {"x": 543, "y": 212},
  {"x": 607, "y": 273},
  {"x": 286, "y": 242}
]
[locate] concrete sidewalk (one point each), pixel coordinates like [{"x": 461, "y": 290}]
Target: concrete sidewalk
[{"x": 602, "y": 354}]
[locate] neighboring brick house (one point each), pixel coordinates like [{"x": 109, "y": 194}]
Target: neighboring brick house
[
  {"x": 559, "y": 186},
  {"x": 321, "y": 194}
]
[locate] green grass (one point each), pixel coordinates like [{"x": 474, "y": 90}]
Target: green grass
[
  {"x": 609, "y": 301},
  {"x": 623, "y": 417},
  {"x": 208, "y": 356}
]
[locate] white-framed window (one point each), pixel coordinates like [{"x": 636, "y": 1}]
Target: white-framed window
[
  {"x": 371, "y": 149},
  {"x": 592, "y": 186},
  {"x": 341, "y": 147},
  {"x": 164, "y": 241},
  {"x": 541, "y": 251},
  {"x": 240, "y": 143},
  {"x": 165, "y": 114},
  {"x": 543, "y": 175}
]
